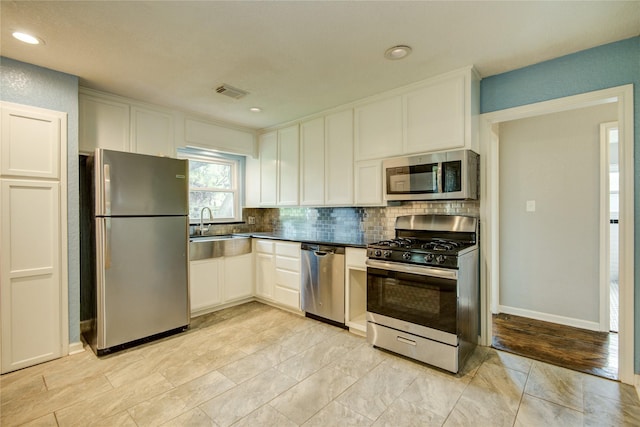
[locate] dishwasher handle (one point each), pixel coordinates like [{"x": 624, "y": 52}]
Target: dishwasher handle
[
  {"x": 323, "y": 250},
  {"x": 323, "y": 253}
]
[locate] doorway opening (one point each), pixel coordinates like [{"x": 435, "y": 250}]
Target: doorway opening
[
  {"x": 618, "y": 352},
  {"x": 609, "y": 134}
]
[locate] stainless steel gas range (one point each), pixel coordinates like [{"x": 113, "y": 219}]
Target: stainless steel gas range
[{"x": 422, "y": 290}]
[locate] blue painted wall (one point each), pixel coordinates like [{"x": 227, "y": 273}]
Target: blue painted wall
[
  {"x": 28, "y": 84},
  {"x": 602, "y": 67}
]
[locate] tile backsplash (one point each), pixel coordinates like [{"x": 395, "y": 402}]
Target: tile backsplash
[{"x": 366, "y": 224}]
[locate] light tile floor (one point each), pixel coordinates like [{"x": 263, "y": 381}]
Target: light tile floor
[{"x": 254, "y": 365}]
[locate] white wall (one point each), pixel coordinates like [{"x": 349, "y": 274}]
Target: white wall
[{"x": 549, "y": 258}]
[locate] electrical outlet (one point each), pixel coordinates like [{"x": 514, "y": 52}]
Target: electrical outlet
[{"x": 251, "y": 220}]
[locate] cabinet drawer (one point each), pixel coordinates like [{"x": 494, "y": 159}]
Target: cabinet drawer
[
  {"x": 288, "y": 263},
  {"x": 355, "y": 257},
  {"x": 287, "y": 297},
  {"x": 264, "y": 246},
  {"x": 288, "y": 279},
  {"x": 288, "y": 249}
]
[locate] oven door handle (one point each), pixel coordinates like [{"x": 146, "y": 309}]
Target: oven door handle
[{"x": 412, "y": 269}]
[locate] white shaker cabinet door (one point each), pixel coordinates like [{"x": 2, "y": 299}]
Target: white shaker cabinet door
[
  {"x": 30, "y": 142},
  {"x": 436, "y": 116},
  {"x": 369, "y": 183},
  {"x": 288, "y": 161},
  {"x": 378, "y": 129},
  {"x": 151, "y": 132},
  {"x": 31, "y": 286},
  {"x": 238, "y": 277},
  {"x": 268, "y": 168},
  {"x": 312, "y": 162},
  {"x": 103, "y": 124},
  {"x": 339, "y": 159},
  {"x": 204, "y": 283}
]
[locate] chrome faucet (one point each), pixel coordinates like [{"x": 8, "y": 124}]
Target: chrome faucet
[{"x": 202, "y": 229}]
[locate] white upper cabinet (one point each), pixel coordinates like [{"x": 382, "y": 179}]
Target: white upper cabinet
[
  {"x": 268, "y": 168},
  {"x": 279, "y": 159},
  {"x": 288, "y": 161},
  {"x": 103, "y": 124},
  {"x": 339, "y": 159},
  {"x": 433, "y": 115},
  {"x": 437, "y": 116},
  {"x": 30, "y": 142},
  {"x": 378, "y": 129},
  {"x": 122, "y": 124},
  {"x": 152, "y": 132},
  {"x": 368, "y": 183},
  {"x": 203, "y": 134},
  {"x": 312, "y": 162}
]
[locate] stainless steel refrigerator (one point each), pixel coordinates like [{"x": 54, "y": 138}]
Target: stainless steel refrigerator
[{"x": 140, "y": 221}]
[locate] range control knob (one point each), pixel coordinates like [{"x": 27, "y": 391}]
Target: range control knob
[
  {"x": 429, "y": 257},
  {"x": 378, "y": 252},
  {"x": 386, "y": 254},
  {"x": 440, "y": 259},
  {"x": 406, "y": 256}
]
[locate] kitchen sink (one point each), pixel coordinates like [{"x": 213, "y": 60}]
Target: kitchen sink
[{"x": 225, "y": 245}]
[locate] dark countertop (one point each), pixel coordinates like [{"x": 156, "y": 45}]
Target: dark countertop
[{"x": 313, "y": 238}]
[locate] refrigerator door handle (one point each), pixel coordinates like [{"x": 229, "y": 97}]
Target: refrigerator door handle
[
  {"x": 107, "y": 244},
  {"x": 106, "y": 182}
]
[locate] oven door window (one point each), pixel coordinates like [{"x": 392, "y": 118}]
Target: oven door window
[{"x": 423, "y": 300}]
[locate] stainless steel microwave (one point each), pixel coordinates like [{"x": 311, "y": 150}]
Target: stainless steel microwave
[{"x": 451, "y": 175}]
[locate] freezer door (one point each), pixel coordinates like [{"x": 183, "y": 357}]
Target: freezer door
[
  {"x": 142, "y": 287},
  {"x": 129, "y": 184}
]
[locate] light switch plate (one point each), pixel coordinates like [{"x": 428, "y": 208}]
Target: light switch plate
[{"x": 531, "y": 205}]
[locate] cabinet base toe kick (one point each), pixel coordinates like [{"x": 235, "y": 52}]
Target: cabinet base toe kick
[{"x": 435, "y": 353}]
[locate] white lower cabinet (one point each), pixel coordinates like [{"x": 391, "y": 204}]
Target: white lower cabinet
[
  {"x": 238, "y": 277},
  {"x": 287, "y": 286},
  {"x": 215, "y": 282},
  {"x": 278, "y": 272},
  {"x": 265, "y": 268},
  {"x": 205, "y": 277}
]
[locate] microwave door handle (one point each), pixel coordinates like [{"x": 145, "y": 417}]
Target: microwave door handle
[{"x": 439, "y": 177}]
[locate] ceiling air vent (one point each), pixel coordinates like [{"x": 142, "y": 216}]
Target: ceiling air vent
[{"x": 231, "y": 91}]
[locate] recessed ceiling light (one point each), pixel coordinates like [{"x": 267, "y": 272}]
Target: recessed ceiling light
[
  {"x": 255, "y": 109},
  {"x": 397, "y": 52},
  {"x": 27, "y": 38}
]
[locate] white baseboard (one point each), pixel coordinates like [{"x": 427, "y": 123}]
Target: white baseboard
[
  {"x": 546, "y": 317},
  {"x": 76, "y": 347}
]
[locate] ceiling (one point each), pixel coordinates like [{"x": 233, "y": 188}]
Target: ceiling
[{"x": 295, "y": 58}]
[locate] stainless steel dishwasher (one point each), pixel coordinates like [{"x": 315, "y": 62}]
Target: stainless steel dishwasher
[{"x": 323, "y": 282}]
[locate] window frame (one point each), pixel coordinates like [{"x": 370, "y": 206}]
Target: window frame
[{"x": 237, "y": 164}]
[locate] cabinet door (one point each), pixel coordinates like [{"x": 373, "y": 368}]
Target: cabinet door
[
  {"x": 268, "y": 168},
  {"x": 31, "y": 273},
  {"x": 265, "y": 275},
  {"x": 435, "y": 116},
  {"x": 378, "y": 129},
  {"x": 204, "y": 281},
  {"x": 103, "y": 124},
  {"x": 288, "y": 160},
  {"x": 238, "y": 277},
  {"x": 151, "y": 132},
  {"x": 339, "y": 158},
  {"x": 369, "y": 183},
  {"x": 30, "y": 143},
  {"x": 312, "y": 164},
  {"x": 252, "y": 182}
]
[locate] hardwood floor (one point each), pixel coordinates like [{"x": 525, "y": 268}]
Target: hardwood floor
[{"x": 578, "y": 349}]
